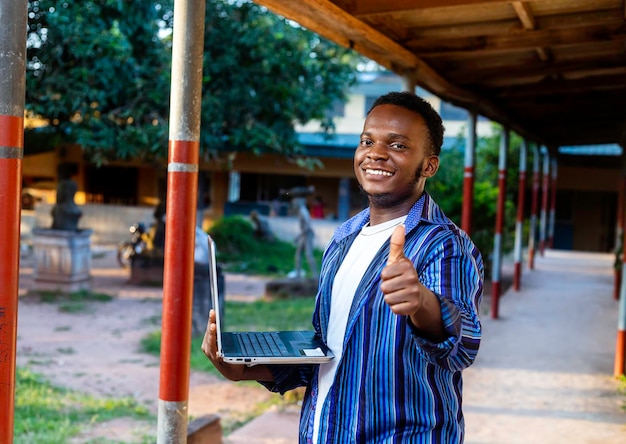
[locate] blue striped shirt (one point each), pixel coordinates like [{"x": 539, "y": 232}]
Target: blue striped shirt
[{"x": 393, "y": 385}]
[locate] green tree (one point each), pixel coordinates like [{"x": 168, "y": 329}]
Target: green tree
[
  {"x": 99, "y": 72},
  {"x": 447, "y": 189}
]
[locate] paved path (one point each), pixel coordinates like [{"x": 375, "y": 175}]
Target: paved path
[{"x": 544, "y": 371}]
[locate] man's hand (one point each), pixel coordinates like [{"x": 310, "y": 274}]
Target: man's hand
[
  {"x": 405, "y": 294},
  {"x": 209, "y": 347},
  {"x": 234, "y": 372},
  {"x": 401, "y": 285}
]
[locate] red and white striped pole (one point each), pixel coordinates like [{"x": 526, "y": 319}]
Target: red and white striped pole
[
  {"x": 180, "y": 223},
  {"x": 468, "y": 175},
  {"x": 13, "y": 15},
  {"x": 619, "y": 233},
  {"x": 519, "y": 222},
  {"x": 532, "y": 236},
  {"x": 620, "y": 344},
  {"x": 551, "y": 220},
  {"x": 544, "y": 201},
  {"x": 497, "y": 240}
]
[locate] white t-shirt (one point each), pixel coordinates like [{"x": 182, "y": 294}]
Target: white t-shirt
[{"x": 349, "y": 275}]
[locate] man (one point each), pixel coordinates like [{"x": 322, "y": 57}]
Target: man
[{"x": 398, "y": 300}]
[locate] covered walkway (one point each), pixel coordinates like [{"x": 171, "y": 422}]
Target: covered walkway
[{"x": 545, "y": 370}]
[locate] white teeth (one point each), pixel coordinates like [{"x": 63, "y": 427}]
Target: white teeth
[{"x": 378, "y": 172}]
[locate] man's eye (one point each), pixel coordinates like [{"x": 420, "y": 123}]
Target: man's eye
[
  {"x": 398, "y": 146},
  {"x": 366, "y": 142}
]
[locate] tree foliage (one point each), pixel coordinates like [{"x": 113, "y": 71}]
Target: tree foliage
[
  {"x": 99, "y": 72},
  {"x": 447, "y": 189}
]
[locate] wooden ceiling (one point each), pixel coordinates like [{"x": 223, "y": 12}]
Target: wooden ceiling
[{"x": 553, "y": 71}]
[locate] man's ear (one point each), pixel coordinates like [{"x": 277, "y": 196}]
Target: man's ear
[{"x": 431, "y": 166}]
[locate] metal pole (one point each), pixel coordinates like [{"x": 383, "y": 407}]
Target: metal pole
[
  {"x": 620, "y": 344},
  {"x": 552, "y": 215},
  {"x": 533, "y": 210},
  {"x": 181, "y": 202},
  {"x": 619, "y": 233},
  {"x": 521, "y": 192},
  {"x": 13, "y": 14},
  {"x": 497, "y": 241},
  {"x": 468, "y": 175},
  {"x": 544, "y": 201}
]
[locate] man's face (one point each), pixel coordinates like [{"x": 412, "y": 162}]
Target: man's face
[{"x": 392, "y": 161}]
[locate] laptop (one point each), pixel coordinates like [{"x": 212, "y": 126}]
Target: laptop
[{"x": 253, "y": 348}]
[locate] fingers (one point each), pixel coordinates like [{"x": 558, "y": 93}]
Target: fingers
[
  {"x": 396, "y": 245},
  {"x": 209, "y": 342}
]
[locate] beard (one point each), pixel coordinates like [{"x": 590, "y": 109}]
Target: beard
[{"x": 391, "y": 200}]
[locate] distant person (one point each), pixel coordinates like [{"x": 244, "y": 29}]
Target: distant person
[
  {"x": 398, "y": 301},
  {"x": 304, "y": 239}
]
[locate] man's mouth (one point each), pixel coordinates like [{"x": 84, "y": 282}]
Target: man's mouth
[{"x": 378, "y": 172}]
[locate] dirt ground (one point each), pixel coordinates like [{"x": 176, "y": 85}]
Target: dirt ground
[{"x": 96, "y": 350}]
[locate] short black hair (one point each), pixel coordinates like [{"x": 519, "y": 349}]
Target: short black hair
[{"x": 415, "y": 103}]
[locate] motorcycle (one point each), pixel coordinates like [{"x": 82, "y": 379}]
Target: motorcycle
[{"x": 137, "y": 243}]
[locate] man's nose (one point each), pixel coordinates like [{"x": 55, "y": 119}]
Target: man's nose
[{"x": 377, "y": 151}]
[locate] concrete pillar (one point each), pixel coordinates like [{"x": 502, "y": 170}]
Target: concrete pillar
[
  {"x": 534, "y": 209},
  {"x": 181, "y": 204},
  {"x": 13, "y": 17},
  {"x": 543, "y": 222},
  {"x": 552, "y": 213},
  {"x": 519, "y": 221},
  {"x": 468, "y": 174},
  {"x": 497, "y": 241}
]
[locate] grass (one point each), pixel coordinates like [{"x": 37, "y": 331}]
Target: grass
[
  {"x": 77, "y": 302},
  {"x": 240, "y": 251},
  {"x": 261, "y": 315},
  {"x": 45, "y": 414}
]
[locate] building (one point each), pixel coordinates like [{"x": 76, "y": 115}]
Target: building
[{"x": 585, "y": 212}]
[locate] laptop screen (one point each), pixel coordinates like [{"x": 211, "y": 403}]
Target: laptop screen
[{"x": 214, "y": 291}]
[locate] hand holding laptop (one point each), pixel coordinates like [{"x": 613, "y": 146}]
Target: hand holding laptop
[{"x": 234, "y": 372}]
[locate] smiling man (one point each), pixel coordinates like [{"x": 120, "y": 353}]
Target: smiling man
[{"x": 398, "y": 300}]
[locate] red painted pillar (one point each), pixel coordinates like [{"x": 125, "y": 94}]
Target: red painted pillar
[
  {"x": 551, "y": 220},
  {"x": 180, "y": 223},
  {"x": 533, "y": 210},
  {"x": 619, "y": 233},
  {"x": 519, "y": 222},
  {"x": 13, "y": 15},
  {"x": 620, "y": 343},
  {"x": 497, "y": 241},
  {"x": 468, "y": 175},
  {"x": 544, "y": 201}
]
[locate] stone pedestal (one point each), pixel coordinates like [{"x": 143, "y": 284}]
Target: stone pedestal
[{"x": 62, "y": 259}]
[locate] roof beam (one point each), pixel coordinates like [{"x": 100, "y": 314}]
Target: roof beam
[
  {"x": 566, "y": 69},
  {"x": 370, "y": 7},
  {"x": 523, "y": 11},
  {"x": 322, "y": 16},
  {"x": 520, "y": 40},
  {"x": 556, "y": 22}
]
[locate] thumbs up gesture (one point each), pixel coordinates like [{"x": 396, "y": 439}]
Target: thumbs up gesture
[
  {"x": 400, "y": 283},
  {"x": 406, "y": 295}
]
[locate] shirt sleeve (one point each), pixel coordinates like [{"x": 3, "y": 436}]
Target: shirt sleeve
[
  {"x": 453, "y": 270},
  {"x": 288, "y": 377}
]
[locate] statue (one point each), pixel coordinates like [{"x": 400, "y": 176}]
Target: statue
[
  {"x": 65, "y": 213},
  {"x": 304, "y": 240}
]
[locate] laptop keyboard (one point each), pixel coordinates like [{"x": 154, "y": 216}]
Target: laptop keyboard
[{"x": 262, "y": 344}]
